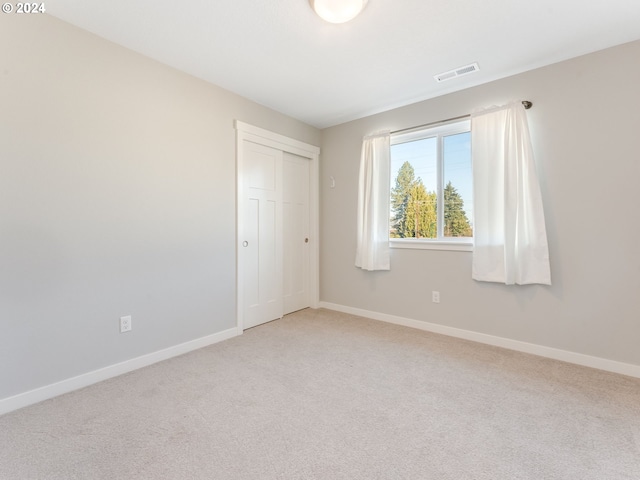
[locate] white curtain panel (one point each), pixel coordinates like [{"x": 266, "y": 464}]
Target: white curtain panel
[
  {"x": 510, "y": 239},
  {"x": 372, "y": 252}
]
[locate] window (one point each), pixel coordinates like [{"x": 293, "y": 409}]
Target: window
[{"x": 430, "y": 168}]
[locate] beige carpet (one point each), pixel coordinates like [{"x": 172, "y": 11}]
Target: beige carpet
[{"x": 324, "y": 395}]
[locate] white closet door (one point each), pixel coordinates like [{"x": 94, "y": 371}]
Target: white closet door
[
  {"x": 261, "y": 241},
  {"x": 296, "y": 246}
]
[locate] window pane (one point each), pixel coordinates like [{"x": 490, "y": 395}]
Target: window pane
[
  {"x": 458, "y": 196},
  {"x": 413, "y": 189}
]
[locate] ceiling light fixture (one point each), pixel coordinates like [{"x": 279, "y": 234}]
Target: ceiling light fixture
[{"x": 338, "y": 11}]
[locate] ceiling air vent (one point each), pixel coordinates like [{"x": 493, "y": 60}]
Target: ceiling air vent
[{"x": 458, "y": 72}]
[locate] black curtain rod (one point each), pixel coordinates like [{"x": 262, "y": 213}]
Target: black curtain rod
[{"x": 527, "y": 105}]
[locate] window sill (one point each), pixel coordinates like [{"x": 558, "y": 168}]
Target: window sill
[{"x": 459, "y": 246}]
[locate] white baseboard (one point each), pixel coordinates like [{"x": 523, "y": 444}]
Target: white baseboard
[
  {"x": 540, "y": 350},
  {"x": 65, "y": 386}
]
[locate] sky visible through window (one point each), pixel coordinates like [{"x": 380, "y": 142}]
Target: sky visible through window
[{"x": 422, "y": 155}]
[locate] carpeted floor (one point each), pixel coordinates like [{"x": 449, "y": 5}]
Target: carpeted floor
[{"x": 325, "y": 395}]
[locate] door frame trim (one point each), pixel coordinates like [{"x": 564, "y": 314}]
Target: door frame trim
[{"x": 245, "y": 131}]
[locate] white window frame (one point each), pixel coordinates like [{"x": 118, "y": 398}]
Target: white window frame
[{"x": 420, "y": 133}]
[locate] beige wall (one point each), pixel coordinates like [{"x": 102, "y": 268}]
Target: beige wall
[
  {"x": 117, "y": 196},
  {"x": 585, "y": 124}
]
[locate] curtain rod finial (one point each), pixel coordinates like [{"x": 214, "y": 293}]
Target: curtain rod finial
[{"x": 527, "y": 104}]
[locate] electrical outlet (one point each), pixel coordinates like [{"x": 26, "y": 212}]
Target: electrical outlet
[
  {"x": 435, "y": 297},
  {"x": 125, "y": 324}
]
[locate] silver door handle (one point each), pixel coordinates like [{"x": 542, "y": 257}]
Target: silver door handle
[{"x": 245, "y": 244}]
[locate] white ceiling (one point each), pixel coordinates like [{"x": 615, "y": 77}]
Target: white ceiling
[{"x": 280, "y": 54}]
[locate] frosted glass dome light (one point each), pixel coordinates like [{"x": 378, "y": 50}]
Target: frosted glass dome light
[{"x": 337, "y": 11}]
